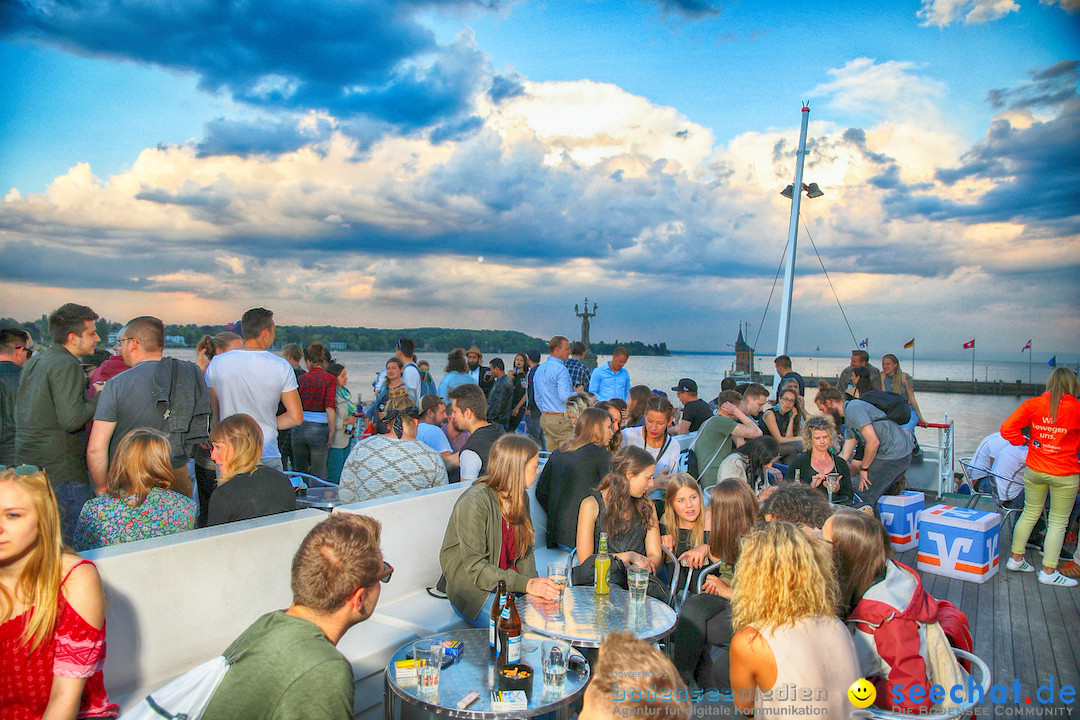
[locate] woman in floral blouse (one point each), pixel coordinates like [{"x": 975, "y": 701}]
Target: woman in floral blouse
[{"x": 139, "y": 504}]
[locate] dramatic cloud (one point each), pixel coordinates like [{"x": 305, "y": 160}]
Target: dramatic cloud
[
  {"x": 546, "y": 190},
  {"x": 358, "y": 58}
]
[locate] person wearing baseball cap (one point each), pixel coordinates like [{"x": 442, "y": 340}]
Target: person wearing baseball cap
[{"x": 694, "y": 411}]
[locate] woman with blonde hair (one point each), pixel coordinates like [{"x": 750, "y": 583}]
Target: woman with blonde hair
[
  {"x": 686, "y": 523},
  {"x": 705, "y": 618},
  {"x": 577, "y": 404},
  {"x": 786, "y": 630},
  {"x": 899, "y": 382},
  {"x": 489, "y": 537},
  {"x": 52, "y": 610},
  {"x": 245, "y": 488},
  {"x": 139, "y": 503},
  {"x": 571, "y": 473},
  {"x": 206, "y": 350},
  {"x": 1053, "y": 424},
  {"x": 819, "y": 459}
]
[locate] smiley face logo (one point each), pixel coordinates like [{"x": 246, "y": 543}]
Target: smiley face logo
[{"x": 862, "y": 693}]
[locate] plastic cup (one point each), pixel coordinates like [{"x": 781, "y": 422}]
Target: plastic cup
[
  {"x": 554, "y": 656},
  {"x": 428, "y": 655},
  {"x": 637, "y": 581},
  {"x": 558, "y": 572}
]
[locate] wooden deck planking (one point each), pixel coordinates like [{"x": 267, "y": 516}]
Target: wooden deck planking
[{"x": 1020, "y": 628}]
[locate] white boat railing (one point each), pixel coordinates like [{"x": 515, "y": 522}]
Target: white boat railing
[{"x": 944, "y": 453}]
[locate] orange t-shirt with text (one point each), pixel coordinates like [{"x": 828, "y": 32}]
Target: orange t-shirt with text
[{"x": 1054, "y": 444}]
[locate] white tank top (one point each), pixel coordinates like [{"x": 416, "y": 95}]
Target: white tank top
[{"x": 815, "y": 666}]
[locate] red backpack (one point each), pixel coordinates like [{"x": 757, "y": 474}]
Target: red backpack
[{"x": 956, "y": 627}]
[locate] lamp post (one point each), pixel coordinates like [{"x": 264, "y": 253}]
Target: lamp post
[{"x": 812, "y": 191}]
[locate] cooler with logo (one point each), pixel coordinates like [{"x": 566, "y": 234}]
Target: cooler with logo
[
  {"x": 959, "y": 543},
  {"x": 900, "y": 516}
]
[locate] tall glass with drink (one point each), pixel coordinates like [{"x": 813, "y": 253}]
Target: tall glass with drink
[
  {"x": 559, "y": 574},
  {"x": 832, "y": 483},
  {"x": 554, "y": 656},
  {"x": 637, "y": 582},
  {"x": 428, "y": 656}
]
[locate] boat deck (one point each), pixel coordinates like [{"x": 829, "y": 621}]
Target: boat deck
[{"x": 1022, "y": 629}]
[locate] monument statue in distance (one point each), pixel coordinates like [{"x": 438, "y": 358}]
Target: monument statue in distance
[{"x": 590, "y": 356}]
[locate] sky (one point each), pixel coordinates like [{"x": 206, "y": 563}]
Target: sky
[{"x": 490, "y": 163}]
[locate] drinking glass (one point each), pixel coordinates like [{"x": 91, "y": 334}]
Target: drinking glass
[
  {"x": 558, "y": 572},
  {"x": 637, "y": 581},
  {"x": 428, "y": 655},
  {"x": 832, "y": 483},
  {"x": 554, "y": 656}
]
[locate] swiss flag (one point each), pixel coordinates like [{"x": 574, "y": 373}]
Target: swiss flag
[{"x": 970, "y": 344}]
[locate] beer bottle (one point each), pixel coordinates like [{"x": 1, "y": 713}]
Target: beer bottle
[
  {"x": 509, "y": 633},
  {"x": 798, "y": 475},
  {"x": 496, "y": 608},
  {"x": 602, "y": 568}
]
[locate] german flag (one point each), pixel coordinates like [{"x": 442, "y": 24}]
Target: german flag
[{"x": 909, "y": 344}]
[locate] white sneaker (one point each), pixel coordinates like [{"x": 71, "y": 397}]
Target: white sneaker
[
  {"x": 1021, "y": 565},
  {"x": 1057, "y": 579}
]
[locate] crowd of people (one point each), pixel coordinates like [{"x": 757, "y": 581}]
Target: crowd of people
[{"x": 778, "y": 503}]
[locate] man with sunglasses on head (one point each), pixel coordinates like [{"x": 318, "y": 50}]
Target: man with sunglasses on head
[
  {"x": 393, "y": 461},
  {"x": 288, "y": 665},
  {"x": 16, "y": 347}
]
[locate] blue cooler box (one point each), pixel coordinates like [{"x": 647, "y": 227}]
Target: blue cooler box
[
  {"x": 900, "y": 516},
  {"x": 959, "y": 543}
]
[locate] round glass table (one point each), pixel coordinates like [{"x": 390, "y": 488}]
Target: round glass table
[
  {"x": 475, "y": 671},
  {"x": 583, "y": 618}
]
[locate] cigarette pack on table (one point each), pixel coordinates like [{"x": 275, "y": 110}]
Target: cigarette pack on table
[
  {"x": 405, "y": 672},
  {"x": 503, "y": 700},
  {"x": 452, "y": 649}
]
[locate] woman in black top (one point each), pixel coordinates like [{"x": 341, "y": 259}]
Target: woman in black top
[
  {"x": 519, "y": 374},
  {"x": 571, "y": 473},
  {"x": 245, "y": 488},
  {"x": 819, "y": 459}
]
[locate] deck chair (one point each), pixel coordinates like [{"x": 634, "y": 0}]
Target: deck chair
[
  {"x": 995, "y": 482},
  {"x": 980, "y": 675}
]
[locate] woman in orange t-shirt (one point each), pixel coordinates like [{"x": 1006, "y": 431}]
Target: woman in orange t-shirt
[{"x": 1053, "y": 424}]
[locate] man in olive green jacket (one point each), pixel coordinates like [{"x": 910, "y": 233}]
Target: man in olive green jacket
[{"x": 51, "y": 410}]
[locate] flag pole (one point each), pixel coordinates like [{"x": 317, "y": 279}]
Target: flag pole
[
  {"x": 1030, "y": 353},
  {"x": 973, "y": 360},
  {"x": 912, "y": 360}
]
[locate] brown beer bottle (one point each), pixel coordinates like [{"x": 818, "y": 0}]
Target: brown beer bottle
[
  {"x": 496, "y": 608},
  {"x": 509, "y": 633}
]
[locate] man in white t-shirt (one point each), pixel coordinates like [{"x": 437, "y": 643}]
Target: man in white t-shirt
[
  {"x": 410, "y": 374},
  {"x": 253, "y": 380},
  {"x": 430, "y": 432}
]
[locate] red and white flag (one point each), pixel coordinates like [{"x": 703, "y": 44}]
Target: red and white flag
[
  {"x": 1026, "y": 347},
  {"x": 970, "y": 344}
]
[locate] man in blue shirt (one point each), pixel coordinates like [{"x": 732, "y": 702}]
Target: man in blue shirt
[
  {"x": 552, "y": 389},
  {"x": 612, "y": 380}
]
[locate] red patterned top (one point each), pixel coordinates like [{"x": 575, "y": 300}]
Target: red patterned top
[{"x": 76, "y": 651}]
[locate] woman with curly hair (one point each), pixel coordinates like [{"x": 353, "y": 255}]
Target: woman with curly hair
[
  {"x": 819, "y": 459},
  {"x": 786, "y": 630}
]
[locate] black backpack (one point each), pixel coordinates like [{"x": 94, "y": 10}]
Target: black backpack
[{"x": 892, "y": 404}]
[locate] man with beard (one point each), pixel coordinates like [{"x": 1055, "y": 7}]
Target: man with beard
[
  {"x": 887, "y": 448},
  {"x": 481, "y": 374},
  {"x": 469, "y": 414}
]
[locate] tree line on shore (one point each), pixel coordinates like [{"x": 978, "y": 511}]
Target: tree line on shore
[{"x": 429, "y": 339}]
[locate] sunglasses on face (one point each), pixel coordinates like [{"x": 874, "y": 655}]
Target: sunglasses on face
[{"x": 386, "y": 574}]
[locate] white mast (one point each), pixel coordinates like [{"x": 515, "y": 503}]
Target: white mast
[{"x": 793, "y": 234}]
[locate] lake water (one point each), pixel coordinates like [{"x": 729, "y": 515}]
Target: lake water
[{"x": 975, "y": 416}]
